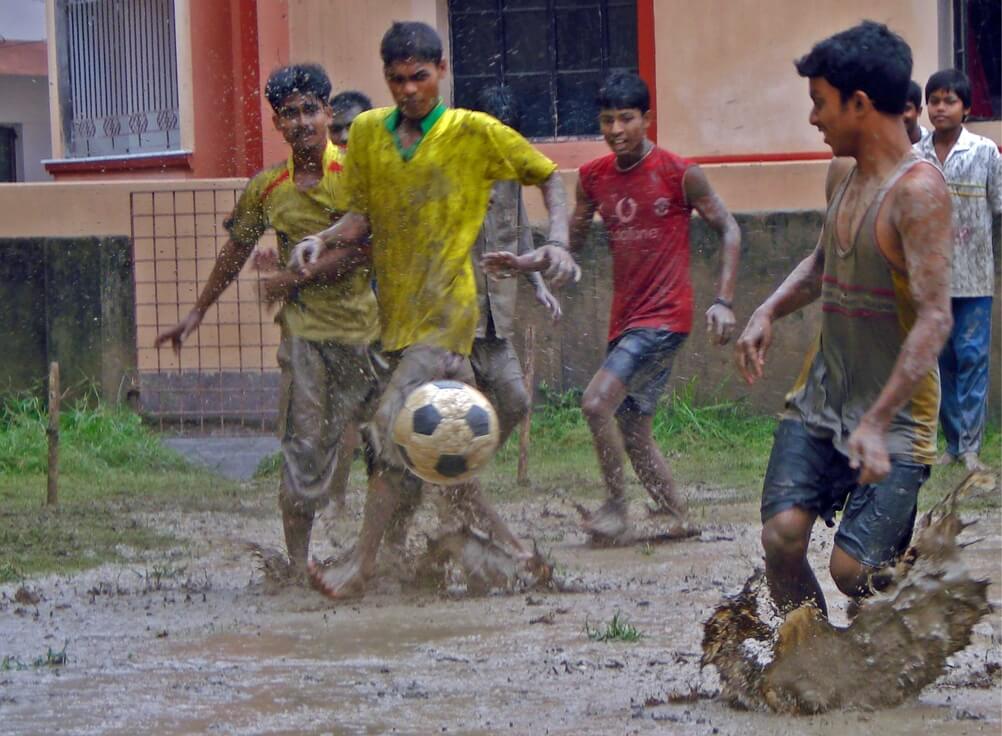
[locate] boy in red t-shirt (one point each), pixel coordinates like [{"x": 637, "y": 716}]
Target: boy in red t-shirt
[{"x": 645, "y": 196}]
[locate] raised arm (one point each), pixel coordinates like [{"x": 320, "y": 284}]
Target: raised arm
[
  {"x": 552, "y": 258},
  {"x": 555, "y": 199},
  {"x": 699, "y": 194},
  {"x": 227, "y": 267},
  {"x": 799, "y": 289},
  {"x": 921, "y": 217}
]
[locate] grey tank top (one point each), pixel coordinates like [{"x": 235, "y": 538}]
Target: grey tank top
[{"x": 867, "y": 311}]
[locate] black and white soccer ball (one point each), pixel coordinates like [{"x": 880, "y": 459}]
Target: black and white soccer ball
[{"x": 446, "y": 432}]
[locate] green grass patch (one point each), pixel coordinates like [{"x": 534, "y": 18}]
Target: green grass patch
[
  {"x": 721, "y": 444},
  {"x": 111, "y": 468},
  {"x": 618, "y": 629},
  {"x": 51, "y": 658}
]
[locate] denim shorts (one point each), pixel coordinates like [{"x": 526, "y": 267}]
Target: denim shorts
[
  {"x": 809, "y": 473},
  {"x": 642, "y": 360}
]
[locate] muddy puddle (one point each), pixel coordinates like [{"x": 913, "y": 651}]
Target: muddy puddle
[{"x": 192, "y": 642}]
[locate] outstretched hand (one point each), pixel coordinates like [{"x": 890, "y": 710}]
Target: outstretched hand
[
  {"x": 556, "y": 263},
  {"x": 501, "y": 264},
  {"x": 177, "y": 334}
]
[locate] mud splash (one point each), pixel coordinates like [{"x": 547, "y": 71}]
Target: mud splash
[{"x": 896, "y": 645}]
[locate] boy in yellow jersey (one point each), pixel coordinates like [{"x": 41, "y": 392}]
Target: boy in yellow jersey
[
  {"x": 418, "y": 177},
  {"x": 327, "y": 326}
]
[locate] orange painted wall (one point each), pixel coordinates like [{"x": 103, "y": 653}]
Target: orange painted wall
[
  {"x": 273, "y": 52},
  {"x": 215, "y": 151}
]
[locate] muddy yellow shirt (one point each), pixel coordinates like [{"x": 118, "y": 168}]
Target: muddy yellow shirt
[
  {"x": 425, "y": 207},
  {"x": 345, "y": 311}
]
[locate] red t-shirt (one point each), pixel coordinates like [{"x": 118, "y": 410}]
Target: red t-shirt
[{"x": 645, "y": 212}]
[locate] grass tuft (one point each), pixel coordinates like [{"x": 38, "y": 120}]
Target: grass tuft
[{"x": 618, "y": 629}]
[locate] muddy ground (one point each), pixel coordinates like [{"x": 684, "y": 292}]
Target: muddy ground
[{"x": 194, "y": 641}]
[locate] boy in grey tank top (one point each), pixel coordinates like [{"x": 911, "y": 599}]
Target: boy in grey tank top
[{"x": 859, "y": 430}]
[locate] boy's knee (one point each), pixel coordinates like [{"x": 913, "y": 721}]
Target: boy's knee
[
  {"x": 784, "y": 539},
  {"x": 850, "y": 576},
  {"x": 594, "y": 407},
  {"x": 515, "y": 406}
]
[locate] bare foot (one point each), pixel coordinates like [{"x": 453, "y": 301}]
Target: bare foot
[
  {"x": 973, "y": 463},
  {"x": 946, "y": 459},
  {"x": 278, "y": 569},
  {"x": 608, "y": 524},
  {"x": 338, "y": 580}
]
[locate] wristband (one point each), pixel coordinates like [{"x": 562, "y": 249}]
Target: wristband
[{"x": 724, "y": 303}]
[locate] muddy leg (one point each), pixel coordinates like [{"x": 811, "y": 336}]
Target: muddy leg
[
  {"x": 785, "y": 537},
  {"x": 399, "y": 525},
  {"x": 650, "y": 464},
  {"x": 348, "y": 578},
  {"x": 468, "y": 501},
  {"x": 297, "y": 528},
  {"x": 601, "y": 399},
  {"x": 345, "y": 456}
]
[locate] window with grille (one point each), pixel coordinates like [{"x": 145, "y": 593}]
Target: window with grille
[
  {"x": 977, "y": 44},
  {"x": 118, "y": 76},
  {"x": 554, "y": 55}
]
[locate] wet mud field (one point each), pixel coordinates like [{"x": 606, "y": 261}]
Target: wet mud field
[{"x": 195, "y": 641}]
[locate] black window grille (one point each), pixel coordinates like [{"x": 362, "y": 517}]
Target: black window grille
[
  {"x": 554, "y": 55},
  {"x": 977, "y": 44}
]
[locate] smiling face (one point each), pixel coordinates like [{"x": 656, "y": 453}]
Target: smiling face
[
  {"x": 414, "y": 86},
  {"x": 946, "y": 110},
  {"x": 836, "y": 120},
  {"x": 303, "y": 121},
  {"x": 625, "y": 130}
]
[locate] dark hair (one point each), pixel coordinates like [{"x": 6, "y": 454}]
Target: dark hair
[
  {"x": 868, "y": 57},
  {"x": 952, "y": 80},
  {"x": 622, "y": 91},
  {"x": 499, "y": 101},
  {"x": 915, "y": 94},
  {"x": 350, "y": 98},
  {"x": 410, "y": 40},
  {"x": 307, "y": 79}
]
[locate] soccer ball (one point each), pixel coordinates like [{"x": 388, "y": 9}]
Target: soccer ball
[{"x": 446, "y": 432}]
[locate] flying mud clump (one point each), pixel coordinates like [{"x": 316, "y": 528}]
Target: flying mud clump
[{"x": 897, "y": 643}]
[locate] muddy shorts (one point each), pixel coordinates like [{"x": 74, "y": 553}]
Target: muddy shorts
[
  {"x": 326, "y": 385},
  {"x": 809, "y": 473},
  {"x": 405, "y": 371},
  {"x": 499, "y": 376},
  {"x": 642, "y": 360}
]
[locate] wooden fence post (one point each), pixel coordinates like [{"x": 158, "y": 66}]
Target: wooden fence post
[
  {"x": 530, "y": 385},
  {"x": 52, "y": 496}
]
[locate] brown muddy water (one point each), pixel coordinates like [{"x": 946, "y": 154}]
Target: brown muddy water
[{"x": 193, "y": 641}]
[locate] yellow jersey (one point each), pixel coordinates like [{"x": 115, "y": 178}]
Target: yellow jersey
[
  {"x": 425, "y": 206},
  {"x": 346, "y": 310}
]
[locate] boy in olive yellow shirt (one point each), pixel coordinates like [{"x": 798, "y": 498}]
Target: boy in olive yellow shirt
[
  {"x": 417, "y": 179},
  {"x": 327, "y": 376}
]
